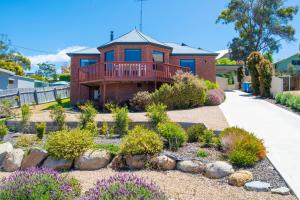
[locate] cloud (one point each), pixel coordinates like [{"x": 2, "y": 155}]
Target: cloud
[{"x": 59, "y": 57}]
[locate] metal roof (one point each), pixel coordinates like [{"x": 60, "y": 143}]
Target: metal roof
[
  {"x": 135, "y": 37},
  {"x": 87, "y": 51},
  {"x": 7, "y": 71},
  {"x": 179, "y": 49}
]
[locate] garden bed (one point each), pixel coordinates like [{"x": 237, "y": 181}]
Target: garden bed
[{"x": 273, "y": 101}]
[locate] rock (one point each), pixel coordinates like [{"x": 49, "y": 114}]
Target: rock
[
  {"x": 34, "y": 158},
  {"x": 58, "y": 165},
  {"x": 239, "y": 178},
  {"x": 118, "y": 162},
  {"x": 5, "y": 148},
  {"x": 281, "y": 190},
  {"x": 13, "y": 160},
  {"x": 258, "y": 186},
  {"x": 136, "y": 161},
  {"x": 163, "y": 163},
  {"x": 191, "y": 166},
  {"x": 92, "y": 160},
  {"x": 218, "y": 169}
]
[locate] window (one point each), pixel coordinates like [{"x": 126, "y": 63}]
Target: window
[
  {"x": 86, "y": 62},
  {"x": 109, "y": 56},
  {"x": 158, "y": 56},
  {"x": 295, "y": 62},
  {"x": 190, "y": 63},
  {"x": 132, "y": 55},
  {"x": 10, "y": 81}
]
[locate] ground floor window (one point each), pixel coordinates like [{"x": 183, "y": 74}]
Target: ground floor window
[{"x": 190, "y": 63}]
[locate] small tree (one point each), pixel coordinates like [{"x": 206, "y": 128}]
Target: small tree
[
  {"x": 265, "y": 70},
  {"x": 121, "y": 119},
  {"x": 25, "y": 117},
  {"x": 87, "y": 115},
  {"x": 157, "y": 114},
  {"x": 59, "y": 117},
  {"x": 6, "y": 108},
  {"x": 253, "y": 61}
]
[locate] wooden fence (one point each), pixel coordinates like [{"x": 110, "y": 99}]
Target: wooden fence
[{"x": 33, "y": 96}]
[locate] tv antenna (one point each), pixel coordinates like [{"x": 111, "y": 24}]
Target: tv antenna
[{"x": 141, "y": 13}]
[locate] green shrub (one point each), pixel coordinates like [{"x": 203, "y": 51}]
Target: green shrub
[
  {"x": 195, "y": 132},
  {"x": 92, "y": 127},
  {"x": 3, "y": 129},
  {"x": 278, "y": 97},
  {"x": 25, "y": 141},
  {"x": 157, "y": 114},
  {"x": 25, "y": 117},
  {"x": 290, "y": 101},
  {"x": 58, "y": 99},
  {"x": 141, "y": 141},
  {"x": 284, "y": 98},
  {"x": 211, "y": 85},
  {"x": 58, "y": 115},
  {"x": 253, "y": 61},
  {"x": 6, "y": 110},
  {"x": 202, "y": 154},
  {"x": 141, "y": 100},
  {"x": 121, "y": 120},
  {"x": 164, "y": 95},
  {"x": 173, "y": 133},
  {"x": 87, "y": 114},
  {"x": 40, "y": 129},
  {"x": 265, "y": 71},
  {"x": 110, "y": 106},
  {"x": 104, "y": 130},
  {"x": 112, "y": 148},
  {"x": 242, "y": 158},
  {"x": 69, "y": 144},
  {"x": 207, "y": 137},
  {"x": 296, "y": 104}
]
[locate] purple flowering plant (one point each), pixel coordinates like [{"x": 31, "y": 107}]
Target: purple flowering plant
[
  {"x": 215, "y": 97},
  {"x": 124, "y": 187},
  {"x": 36, "y": 184}
]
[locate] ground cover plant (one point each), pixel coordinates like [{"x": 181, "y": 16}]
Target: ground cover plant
[
  {"x": 288, "y": 99},
  {"x": 112, "y": 148},
  {"x": 37, "y": 184},
  {"x": 27, "y": 141}
]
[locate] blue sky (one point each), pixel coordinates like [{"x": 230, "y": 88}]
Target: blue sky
[{"x": 57, "y": 26}]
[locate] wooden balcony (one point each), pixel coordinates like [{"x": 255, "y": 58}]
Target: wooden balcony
[{"x": 129, "y": 71}]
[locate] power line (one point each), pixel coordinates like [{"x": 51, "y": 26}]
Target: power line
[{"x": 31, "y": 49}]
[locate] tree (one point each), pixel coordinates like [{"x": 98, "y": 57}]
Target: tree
[
  {"x": 253, "y": 61},
  {"x": 46, "y": 70},
  {"x": 225, "y": 61},
  {"x": 265, "y": 71},
  {"x": 261, "y": 24},
  {"x": 12, "y": 66}
]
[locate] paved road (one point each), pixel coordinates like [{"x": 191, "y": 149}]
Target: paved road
[{"x": 279, "y": 128}]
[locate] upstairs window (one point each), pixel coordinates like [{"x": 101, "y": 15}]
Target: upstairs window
[
  {"x": 110, "y": 56},
  {"x": 158, "y": 56},
  {"x": 295, "y": 62},
  {"x": 190, "y": 63},
  {"x": 86, "y": 62},
  {"x": 132, "y": 55}
]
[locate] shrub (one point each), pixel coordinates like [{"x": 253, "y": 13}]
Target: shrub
[
  {"x": 104, "y": 130},
  {"x": 164, "y": 95},
  {"x": 284, "y": 98},
  {"x": 110, "y": 106},
  {"x": 265, "y": 71},
  {"x": 3, "y": 129},
  {"x": 215, "y": 97},
  {"x": 290, "y": 101},
  {"x": 59, "y": 99},
  {"x": 253, "y": 61},
  {"x": 69, "y": 144},
  {"x": 38, "y": 184},
  {"x": 242, "y": 158},
  {"x": 195, "y": 132},
  {"x": 237, "y": 141},
  {"x": 40, "y": 129},
  {"x": 92, "y": 127},
  {"x": 157, "y": 114},
  {"x": 124, "y": 186},
  {"x": 25, "y": 117},
  {"x": 141, "y": 100},
  {"x": 202, "y": 154},
  {"x": 121, "y": 120},
  {"x": 87, "y": 114},
  {"x": 27, "y": 141},
  {"x": 112, "y": 148},
  {"x": 59, "y": 117},
  {"x": 6, "y": 110},
  {"x": 296, "y": 104},
  {"x": 207, "y": 137},
  {"x": 174, "y": 133},
  {"x": 211, "y": 85},
  {"x": 141, "y": 141},
  {"x": 278, "y": 97}
]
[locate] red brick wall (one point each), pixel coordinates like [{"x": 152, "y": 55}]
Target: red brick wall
[{"x": 205, "y": 65}]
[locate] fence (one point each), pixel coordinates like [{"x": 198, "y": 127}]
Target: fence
[
  {"x": 223, "y": 83},
  {"x": 34, "y": 96}
]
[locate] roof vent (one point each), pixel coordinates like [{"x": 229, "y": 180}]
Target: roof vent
[{"x": 111, "y": 35}]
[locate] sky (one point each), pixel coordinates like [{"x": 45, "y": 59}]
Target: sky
[{"x": 44, "y": 30}]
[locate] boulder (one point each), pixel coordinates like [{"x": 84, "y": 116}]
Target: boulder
[
  {"x": 218, "y": 169},
  {"x": 13, "y": 160},
  {"x": 118, "y": 162},
  {"x": 92, "y": 160},
  {"x": 191, "y": 166},
  {"x": 239, "y": 178},
  {"x": 281, "y": 190},
  {"x": 163, "y": 163},
  {"x": 5, "y": 148},
  {"x": 34, "y": 158},
  {"x": 258, "y": 186},
  {"x": 58, "y": 165},
  {"x": 136, "y": 161}
]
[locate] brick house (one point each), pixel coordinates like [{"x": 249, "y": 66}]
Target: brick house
[{"x": 131, "y": 63}]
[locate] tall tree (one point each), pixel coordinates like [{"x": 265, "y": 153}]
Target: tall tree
[
  {"x": 261, "y": 24},
  {"x": 46, "y": 70}
]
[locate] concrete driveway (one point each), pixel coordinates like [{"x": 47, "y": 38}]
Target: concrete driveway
[{"x": 279, "y": 128}]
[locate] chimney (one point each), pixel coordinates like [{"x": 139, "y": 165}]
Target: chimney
[
  {"x": 183, "y": 44},
  {"x": 111, "y": 35}
]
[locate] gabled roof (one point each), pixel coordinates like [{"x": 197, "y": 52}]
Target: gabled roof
[
  {"x": 295, "y": 55},
  {"x": 135, "y": 37},
  {"x": 87, "y": 51},
  {"x": 187, "y": 50}
]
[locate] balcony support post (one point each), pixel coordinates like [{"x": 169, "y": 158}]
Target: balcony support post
[{"x": 103, "y": 94}]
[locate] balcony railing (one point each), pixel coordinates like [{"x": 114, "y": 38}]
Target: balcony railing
[{"x": 129, "y": 71}]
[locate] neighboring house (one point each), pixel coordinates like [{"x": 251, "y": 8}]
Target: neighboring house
[
  {"x": 223, "y": 54},
  {"x": 8, "y": 80},
  {"x": 133, "y": 62},
  {"x": 292, "y": 61},
  {"x": 60, "y": 83}
]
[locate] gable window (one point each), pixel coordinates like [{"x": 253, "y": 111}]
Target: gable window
[
  {"x": 295, "y": 62},
  {"x": 158, "y": 56},
  {"x": 86, "y": 62},
  {"x": 109, "y": 56},
  {"x": 132, "y": 55},
  {"x": 190, "y": 63}
]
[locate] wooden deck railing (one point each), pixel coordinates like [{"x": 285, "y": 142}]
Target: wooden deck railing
[{"x": 125, "y": 71}]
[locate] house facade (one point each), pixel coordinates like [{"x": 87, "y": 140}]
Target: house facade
[
  {"x": 133, "y": 62},
  {"x": 8, "y": 80},
  {"x": 292, "y": 61}
]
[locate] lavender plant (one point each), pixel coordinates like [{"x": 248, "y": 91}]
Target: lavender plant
[{"x": 125, "y": 187}]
